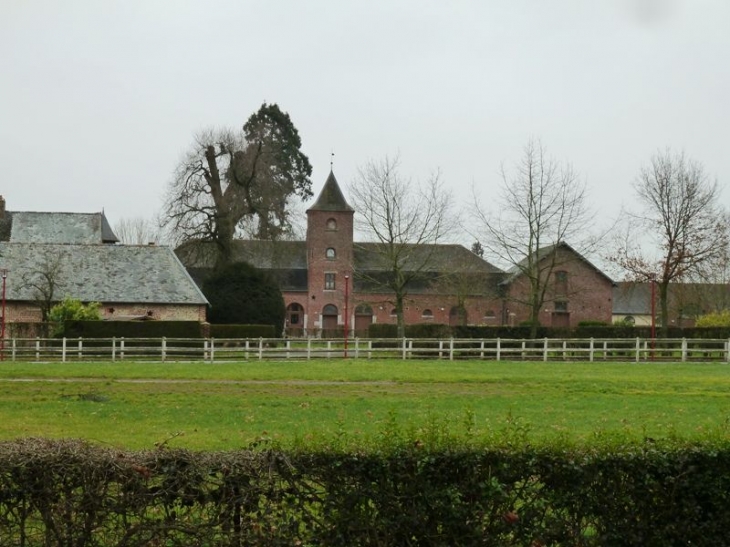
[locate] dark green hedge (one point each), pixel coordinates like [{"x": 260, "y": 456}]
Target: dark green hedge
[
  {"x": 429, "y": 330},
  {"x": 132, "y": 329},
  {"x": 242, "y": 331},
  {"x": 647, "y": 493}
]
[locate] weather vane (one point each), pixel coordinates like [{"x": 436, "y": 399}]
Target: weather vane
[{"x": 332, "y": 159}]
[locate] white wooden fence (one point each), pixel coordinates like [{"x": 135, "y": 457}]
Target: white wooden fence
[{"x": 215, "y": 350}]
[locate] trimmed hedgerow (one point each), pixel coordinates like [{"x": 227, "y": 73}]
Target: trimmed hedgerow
[{"x": 406, "y": 492}]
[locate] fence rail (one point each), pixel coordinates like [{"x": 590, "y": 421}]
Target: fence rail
[{"x": 218, "y": 350}]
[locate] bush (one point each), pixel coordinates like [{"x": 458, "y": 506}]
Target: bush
[
  {"x": 132, "y": 329},
  {"x": 405, "y": 491},
  {"x": 240, "y": 294},
  {"x": 715, "y": 319},
  {"x": 242, "y": 331},
  {"x": 71, "y": 309}
]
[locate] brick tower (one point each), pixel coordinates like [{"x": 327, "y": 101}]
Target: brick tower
[{"x": 329, "y": 258}]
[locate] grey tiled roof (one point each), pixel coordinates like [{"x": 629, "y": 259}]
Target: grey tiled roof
[
  {"x": 427, "y": 258},
  {"x": 543, "y": 252},
  {"x": 331, "y": 197},
  {"x": 103, "y": 273},
  {"x": 73, "y": 228}
]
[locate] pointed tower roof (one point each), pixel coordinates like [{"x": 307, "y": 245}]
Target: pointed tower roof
[{"x": 331, "y": 197}]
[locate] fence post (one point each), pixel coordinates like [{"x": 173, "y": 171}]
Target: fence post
[
  {"x": 212, "y": 350},
  {"x": 499, "y": 349},
  {"x": 403, "y": 352},
  {"x": 309, "y": 348},
  {"x": 288, "y": 347},
  {"x": 605, "y": 350},
  {"x": 81, "y": 349},
  {"x": 164, "y": 348},
  {"x": 63, "y": 350},
  {"x": 727, "y": 358},
  {"x": 13, "y": 350},
  {"x": 370, "y": 349},
  {"x": 684, "y": 349},
  {"x": 121, "y": 349},
  {"x": 246, "y": 345},
  {"x": 441, "y": 349},
  {"x": 638, "y": 348},
  {"x": 261, "y": 348},
  {"x": 451, "y": 349},
  {"x": 205, "y": 349},
  {"x": 37, "y": 349},
  {"x": 591, "y": 351},
  {"x": 545, "y": 349},
  {"x": 481, "y": 353},
  {"x": 565, "y": 345},
  {"x": 114, "y": 348}
]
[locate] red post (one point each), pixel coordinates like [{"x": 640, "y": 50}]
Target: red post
[
  {"x": 347, "y": 312},
  {"x": 2, "y": 323},
  {"x": 653, "y": 316}
]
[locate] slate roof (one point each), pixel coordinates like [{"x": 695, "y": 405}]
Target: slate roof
[
  {"x": 42, "y": 227},
  {"x": 515, "y": 271},
  {"x": 331, "y": 197},
  {"x": 102, "y": 273},
  {"x": 287, "y": 260},
  {"x": 632, "y": 299}
]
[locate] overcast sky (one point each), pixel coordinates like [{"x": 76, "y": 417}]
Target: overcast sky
[{"x": 100, "y": 98}]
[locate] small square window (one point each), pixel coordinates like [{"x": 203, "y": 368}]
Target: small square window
[{"x": 329, "y": 282}]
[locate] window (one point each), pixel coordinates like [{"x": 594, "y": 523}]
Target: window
[
  {"x": 561, "y": 282},
  {"x": 561, "y": 306},
  {"x": 393, "y": 312},
  {"x": 427, "y": 314},
  {"x": 330, "y": 253},
  {"x": 295, "y": 312},
  {"x": 329, "y": 282},
  {"x": 331, "y": 224},
  {"x": 489, "y": 314}
]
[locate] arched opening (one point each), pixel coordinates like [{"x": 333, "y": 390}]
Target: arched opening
[
  {"x": 427, "y": 314},
  {"x": 363, "y": 319},
  {"x": 331, "y": 224},
  {"x": 457, "y": 316},
  {"x": 295, "y": 319},
  {"x": 329, "y": 321}
]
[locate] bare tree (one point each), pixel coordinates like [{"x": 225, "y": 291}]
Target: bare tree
[
  {"x": 681, "y": 234},
  {"x": 138, "y": 231},
  {"x": 403, "y": 219},
  {"x": 542, "y": 204},
  {"x": 43, "y": 282},
  {"x": 233, "y": 179}
]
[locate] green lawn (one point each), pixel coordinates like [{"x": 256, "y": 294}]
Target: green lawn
[{"x": 223, "y": 406}]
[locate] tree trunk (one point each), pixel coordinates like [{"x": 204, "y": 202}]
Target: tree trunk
[
  {"x": 664, "y": 308},
  {"x": 399, "y": 316}
]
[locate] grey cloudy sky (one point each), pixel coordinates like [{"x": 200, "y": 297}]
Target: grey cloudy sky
[{"x": 99, "y": 99}]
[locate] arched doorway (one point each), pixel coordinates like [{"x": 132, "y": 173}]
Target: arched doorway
[
  {"x": 329, "y": 321},
  {"x": 295, "y": 319},
  {"x": 457, "y": 316},
  {"x": 363, "y": 319}
]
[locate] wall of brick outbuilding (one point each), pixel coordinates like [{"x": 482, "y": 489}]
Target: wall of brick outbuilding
[{"x": 589, "y": 295}]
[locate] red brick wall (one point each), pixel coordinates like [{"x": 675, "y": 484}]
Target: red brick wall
[
  {"x": 321, "y": 237},
  {"x": 588, "y": 296}
]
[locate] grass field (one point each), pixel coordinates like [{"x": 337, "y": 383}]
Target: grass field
[{"x": 225, "y": 406}]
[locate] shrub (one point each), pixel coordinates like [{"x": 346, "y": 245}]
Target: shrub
[
  {"x": 715, "y": 319},
  {"x": 71, "y": 309},
  {"x": 240, "y": 294}
]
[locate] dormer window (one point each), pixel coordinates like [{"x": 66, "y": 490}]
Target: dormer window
[
  {"x": 331, "y": 224},
  {"x": 330, "y": 253}
]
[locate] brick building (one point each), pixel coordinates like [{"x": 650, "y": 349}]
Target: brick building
[
  {"x": 77, "y": 255},
  {"x": 328, "y": 277}
]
